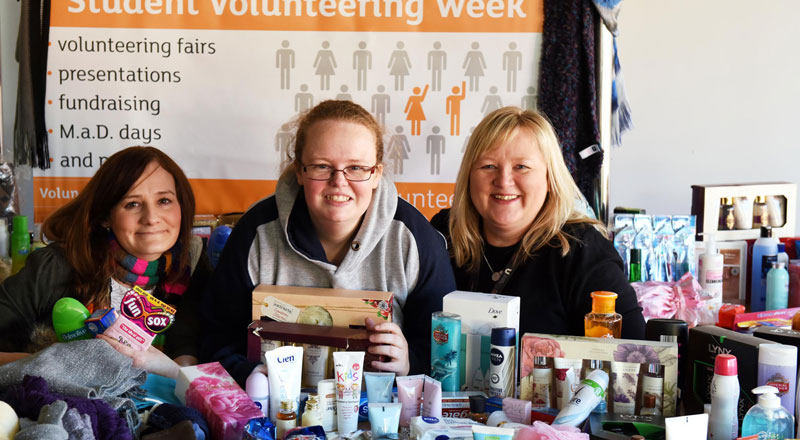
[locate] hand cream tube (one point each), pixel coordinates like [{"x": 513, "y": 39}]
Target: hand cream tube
[
  {"x": 491, "y": 433},
  {"x": 624, "y": 380},
  {"x": 568, "y": 373},
  {"x": 326, "y": 390},
  {"x": 348, "y": 368},
  {"x": 379, "y": 387},
  {"x": 409, "y": 391},
  {"x": 285, "y": 366},
  {"x": 432, "y": 398},
  {"x": 384, "y": 418},
  {"x": 694, "y": 427},
  {"x": 590, "y": 392}
]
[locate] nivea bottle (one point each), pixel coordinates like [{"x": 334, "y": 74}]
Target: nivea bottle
[{"x": 502, "y": 365}]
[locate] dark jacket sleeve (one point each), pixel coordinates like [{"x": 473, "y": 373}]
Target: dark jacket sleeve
[
  {"x": 184, "y": 336},
  {"x": 27, "y": 298},
  {"x": 596, "y": 266}
]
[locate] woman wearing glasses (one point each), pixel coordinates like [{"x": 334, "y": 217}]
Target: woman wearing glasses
[
  {"x": 131, "y": 225},
  {"x": 334, "y": 221}
]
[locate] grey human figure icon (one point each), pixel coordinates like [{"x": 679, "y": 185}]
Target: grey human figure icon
[
  {"x": 303, "y": 100},
  {"x": 512, "y": 63},
  {"x": 362, "y": 61},
  {"x": 434, "y": 145},
  {"x": 380, "y": 105},
  {"x": 437, "y": 62},
  {"x": 399, "y": 63},
  {"x": 398, "y": 149},
  {"x": 282, "y": 140},
  {"x": 466, "y": 140},
  {"x": 473, "y": 66},
  {"x": 325, "y": 64},
  {"x": 529, "y": 100},
  {"x": 344, "y": 96},
  {"x": 491, "y": 102},
  {"x": 284, "y": 60}
]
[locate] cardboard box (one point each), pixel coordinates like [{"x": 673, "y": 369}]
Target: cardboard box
[
  {"x": 706, "y": 206},
  {"x": 346, "y": 307},
  {"x": 705, "y": 343},
  {"x": 734, "y": 269},
  {"x": 480, "y": 313},
  {"x": 607, "y": 350}
]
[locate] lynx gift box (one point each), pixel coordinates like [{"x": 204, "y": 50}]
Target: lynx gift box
[{"x": 209, "y": 389}]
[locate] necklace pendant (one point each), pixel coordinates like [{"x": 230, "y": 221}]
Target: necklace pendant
[{"x": 495, "y": 276}]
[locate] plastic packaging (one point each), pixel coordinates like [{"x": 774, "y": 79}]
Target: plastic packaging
[
  {"x": 474, "y": 375},
  {"x": 542, "y": 381},
  {"x": 777, "y": 287},
  {"x": 589, "y": 393},
  {"x": 432, "y": 398},
  {"x": 517, "y": 410},
  {"x": 653, "y": 387},
  {"x": 69, "y": 316},
  {"x": 723, "y": 420},
  {"x": 768, "y": 419},
  {"x": 285, "y": 366},
  {"x": 384, "y": 418},
  {"x": 409, "y": 392},
  {"x": 348, "y": 366},
  {"x": 502, "y": 362},
  {"x": 445, "y": 346},
  {"x": 379, "y": 386},
  {"x": 711, "y": 269},
  {"x": 775, "y": 207},
  {"x": 568, "y": 374},
  {"x": 765, "y": 252},
  {"x": 257, "y": 387},
  {"x": 491, "y": 433},
  {"x": 777, "y": 367},
  {"x": 743, "y": 213}
]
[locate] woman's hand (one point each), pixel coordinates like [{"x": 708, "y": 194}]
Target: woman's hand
[
  {"x": 391, "y": 343},
  {"x": 152, "y": 360}
]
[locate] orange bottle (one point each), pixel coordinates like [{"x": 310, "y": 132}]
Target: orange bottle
[{"x": 603, "y": 321}]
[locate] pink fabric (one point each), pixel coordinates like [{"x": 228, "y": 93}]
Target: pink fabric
[
  {"x": 543, "y": 431},
  {"x": 679, "y": 300}
]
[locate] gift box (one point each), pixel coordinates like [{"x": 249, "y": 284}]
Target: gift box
[
  {"x": 209, "y": 389},
  {"x": 340, "y": 307},
  {"x": 609, "y": 351}
]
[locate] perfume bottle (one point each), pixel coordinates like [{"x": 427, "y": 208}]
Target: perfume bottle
[
  {"x": 477, "y": 409},
  {"x": 312, "y": 415},
  {"x": 760, "y": 212},
  {"x": 286, "y": 418},
  {"x": 603, "y": 321},
  {"x": 726, "y": 216}
]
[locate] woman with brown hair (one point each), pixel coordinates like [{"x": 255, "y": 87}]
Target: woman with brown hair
[
  {"x": 515, "y": 229},
  {"x": 334, "y": 221},
  {"x": 131, "y": 225}
]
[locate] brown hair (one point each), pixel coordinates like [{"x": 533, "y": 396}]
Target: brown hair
[
  {"x": 332, "y": 110},
  {"x": 78, "y": 225}
]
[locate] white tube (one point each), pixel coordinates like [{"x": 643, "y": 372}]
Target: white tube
[
  {"x": 491, "y": 433},
  {"x": 285, "y": 366},
  {"x": 624, "y": 380},
  {"x": 694, "y": 427},
  {"x": 474, "y": 375},
  {"x": 326, "y": 390},
  {"x": 568, "y": 374},
  {"x": 432, "y": 398},
  {"x": 589, "y": 393},
  {"x": 348, "y": 366}
]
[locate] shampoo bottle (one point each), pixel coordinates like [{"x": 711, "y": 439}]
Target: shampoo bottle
[
  {"x": 768, "y": 419},
  {"x": 603, "y": 321},
  {"x": 20, "y": 243},
  {"x": 777, "y": 287},
  {"x": 711, "y": 270},
  {"x": 765, "y": 252},
  {"x": 723, "y": 422}
]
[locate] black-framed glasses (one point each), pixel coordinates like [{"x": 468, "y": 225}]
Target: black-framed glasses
[{"x": 353, "y": 173}]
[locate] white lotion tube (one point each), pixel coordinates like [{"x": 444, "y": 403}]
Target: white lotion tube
[
  {"x": 326, "y": 390},
  {"x": 590, "y": 392},
  {"x": 568, "y": 374},
  {"x": 474, "y": 375},
  {"x": 624, "y": 380},
  {"x": 694, "y": 427},
  {"x": 348, "y": 366},
  {"x": 285, "y": 366}
]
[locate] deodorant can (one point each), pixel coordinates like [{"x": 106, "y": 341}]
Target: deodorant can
[
  {"x": 777, "y": 367},
  {"x": 502, "y": 363},
  {"x": 445, "y": 347}
]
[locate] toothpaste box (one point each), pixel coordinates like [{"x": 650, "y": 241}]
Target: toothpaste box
[
  {"x": 480, "y": 313},
  {"x": 209, "y": 389}
]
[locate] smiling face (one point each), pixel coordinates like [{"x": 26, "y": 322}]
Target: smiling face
[
  {"x": 337, "y": 205},
  {"x": 147, "y": 220},
  {"x": 508, "y": 186}
]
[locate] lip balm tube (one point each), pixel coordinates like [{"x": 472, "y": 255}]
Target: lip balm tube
[{"x": 348, "y": 366}]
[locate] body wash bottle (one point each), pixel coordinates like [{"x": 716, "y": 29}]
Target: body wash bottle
[{"x": 603, "y": 321}]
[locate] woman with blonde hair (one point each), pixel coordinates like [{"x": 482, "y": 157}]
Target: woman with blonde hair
[{"x": 514, "y": 229}]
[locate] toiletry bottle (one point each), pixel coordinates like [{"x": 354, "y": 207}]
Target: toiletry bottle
[
  {"x": 286, "y": 419},
  {"x": 723, "y": 421},
  {"x": 20, "y": 243},
  {"x": 502, "y": 362},
  {"x": 777, "y": 287},
  {"x": 653, "y": 385},
  {"x": 768, "y": 419},
  {"x": 760, "y": 212},
  {"x": 603, "y": 321},
  {"x": 312, "y": 415},
  {"x": 777, "y": 367},
  {"x": 4, "y": 246},
  {"x": 649, "y": 408},
  {"x": 542, "y": 382},
  {"x": 445, "y": 346},
  {"x": 477, "y": 408},
  {"x": 783, "y": 257},
  {"x": 601, "y": 407},
  {"x": 711, "y": 269},
  {"x": 671, "y": 330},
  {"x": 794, "y": 284},
  {"x": 726, "y": 216},
  {"x": 635, "y": 272},
  {"x": 257, "y": 387},
  {"x": 588, "y": 395},
  {"x": 765, "y": 251}
]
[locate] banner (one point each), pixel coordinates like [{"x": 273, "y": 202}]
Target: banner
[{"x": 216, "y": 84}]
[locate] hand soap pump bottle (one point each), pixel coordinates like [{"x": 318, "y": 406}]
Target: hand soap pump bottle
[{"x": 768, "y": 419}]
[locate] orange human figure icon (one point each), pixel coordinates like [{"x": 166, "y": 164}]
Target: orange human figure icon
[
  {"x": 414, "y": 111},
  {"x": 454, "y": 108}
]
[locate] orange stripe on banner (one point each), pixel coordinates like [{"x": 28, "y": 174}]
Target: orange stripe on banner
[{"x": 305, "y": 15}]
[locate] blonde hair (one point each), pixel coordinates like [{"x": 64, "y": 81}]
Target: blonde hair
[{"x": 496, "y": 129}]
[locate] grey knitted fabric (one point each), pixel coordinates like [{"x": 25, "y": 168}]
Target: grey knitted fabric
[
  {"x": 77, "y": 425},
  {"x": 49, "y": 426},
  {"x": 90, "y": 368}
]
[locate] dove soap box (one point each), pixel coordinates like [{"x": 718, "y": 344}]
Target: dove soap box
[{"x": 321, "y": 306}]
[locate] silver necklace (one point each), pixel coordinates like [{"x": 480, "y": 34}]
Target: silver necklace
[{"x": 495, "y": 275}]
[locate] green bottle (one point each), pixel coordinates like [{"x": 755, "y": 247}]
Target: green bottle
[
  {"x": 635, "y": 273},
  {"x": 69, "y": 316},
  {"x": 20, "y": 243}
]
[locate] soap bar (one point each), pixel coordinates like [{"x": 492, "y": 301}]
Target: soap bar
[{"x": 9, "y": 422}]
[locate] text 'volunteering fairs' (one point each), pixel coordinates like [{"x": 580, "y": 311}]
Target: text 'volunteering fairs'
[{"x": 411, "y": 9}]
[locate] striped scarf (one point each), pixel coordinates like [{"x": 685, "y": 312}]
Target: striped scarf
[{"x": 146, "y": 274}]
